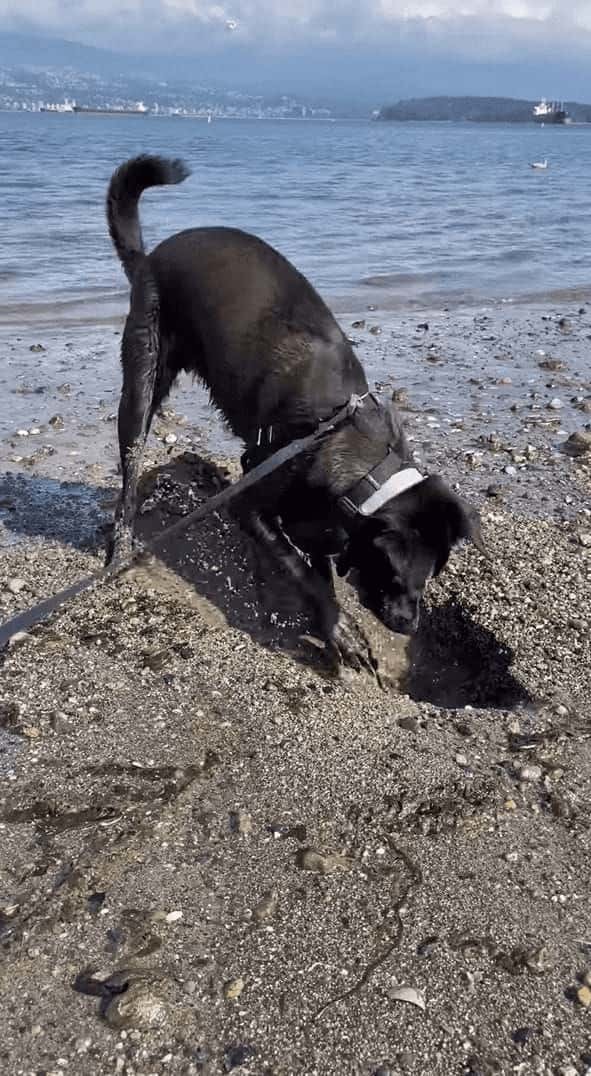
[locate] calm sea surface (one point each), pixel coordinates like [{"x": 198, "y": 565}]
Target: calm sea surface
[{"x": 382, "y": 213}]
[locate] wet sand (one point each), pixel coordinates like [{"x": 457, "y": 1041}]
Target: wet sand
[{"x": 216, "y": 854}]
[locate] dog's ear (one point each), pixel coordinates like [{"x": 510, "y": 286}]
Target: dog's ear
[{"x": 439, "y": 507}]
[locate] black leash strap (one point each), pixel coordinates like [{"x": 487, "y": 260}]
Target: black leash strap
[{"x": 27, "y": 619}]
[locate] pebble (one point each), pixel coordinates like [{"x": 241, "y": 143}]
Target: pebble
[
  {"x": 409, "y": 724},
  {"x": 16, "y": 584},
  {"x": 241, "y": 822},
  {"x": 139, "y": 1007},
  {"x": 18, "y": 637},
  {"x": 267, "y": 907},
  {"x": 170, "y": 439},
  {"x": 233, "y": 989},
  {"x": 174, "y": 917},
  {"x": 530, "y": 773},
  {"x": 578, "y": 444},
  {"x": 510, "y": 470},
  {"x": 584, "y": 996},
  {"x": 22, "y": 433},
  {"x": 555, "y": 404},
  {"x": 461, "y": 760},
  {"x": 309, "y": 860},
  {"x": 57, "y": 422},
  {"x": 235, "y": 1056}
]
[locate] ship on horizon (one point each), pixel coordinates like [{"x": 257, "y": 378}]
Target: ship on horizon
[
  {"x": 70, "y": 107},
  {"x": 550, "y": 112}
]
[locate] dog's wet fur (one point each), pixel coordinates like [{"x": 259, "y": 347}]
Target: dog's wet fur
[{"x": 226, "y": 306}]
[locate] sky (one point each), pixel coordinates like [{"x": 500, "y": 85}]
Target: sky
[{"x": 511, "y": 47}]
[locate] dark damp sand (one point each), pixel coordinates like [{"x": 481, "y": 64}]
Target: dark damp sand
[{"x": 171, "y": 745}]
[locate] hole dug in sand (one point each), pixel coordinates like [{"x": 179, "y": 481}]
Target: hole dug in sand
[{"x": 455, "y": 662}]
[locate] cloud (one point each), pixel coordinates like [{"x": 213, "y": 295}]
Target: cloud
[{"x": 467, "y": 27}]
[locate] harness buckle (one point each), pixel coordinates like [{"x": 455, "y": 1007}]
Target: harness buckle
[{"x": 349, "y": 505}]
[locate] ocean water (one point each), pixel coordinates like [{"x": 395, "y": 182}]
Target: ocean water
[{"x": 372, "y": 213}]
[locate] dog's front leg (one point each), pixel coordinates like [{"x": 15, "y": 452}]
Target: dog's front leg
[{"x": 342, "y": 635}]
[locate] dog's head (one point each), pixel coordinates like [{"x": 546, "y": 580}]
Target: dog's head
[{"x": 393, "y": 554}]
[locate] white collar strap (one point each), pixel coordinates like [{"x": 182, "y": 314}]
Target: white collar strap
[{"x": 395, "y": 485}]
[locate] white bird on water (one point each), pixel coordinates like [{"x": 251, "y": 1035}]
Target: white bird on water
[{"x": 540, "y": 164}]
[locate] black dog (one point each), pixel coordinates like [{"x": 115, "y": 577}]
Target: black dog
[{"x": 224, "y": 305}]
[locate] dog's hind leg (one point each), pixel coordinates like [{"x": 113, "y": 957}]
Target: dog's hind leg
[{"x": 140, "y": 357}]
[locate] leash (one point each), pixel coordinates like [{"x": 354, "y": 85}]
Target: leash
[{"x": 27, "y": 619}]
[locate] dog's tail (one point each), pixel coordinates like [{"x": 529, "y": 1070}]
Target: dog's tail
[{"x": 123, "y": 195}]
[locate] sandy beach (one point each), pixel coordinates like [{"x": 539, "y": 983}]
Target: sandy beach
[{"x": 216, "y": 855}]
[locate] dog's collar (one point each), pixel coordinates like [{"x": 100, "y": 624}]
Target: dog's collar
[{"x": 379, "y": 487}]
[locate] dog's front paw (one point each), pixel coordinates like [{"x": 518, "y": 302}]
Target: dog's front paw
[{"x": 351, "y": 646}]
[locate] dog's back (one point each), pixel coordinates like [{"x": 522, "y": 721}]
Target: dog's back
[{"x": 234, "y": 311}]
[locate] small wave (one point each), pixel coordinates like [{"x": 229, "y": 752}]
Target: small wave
[{"x": 398, "y": 280}]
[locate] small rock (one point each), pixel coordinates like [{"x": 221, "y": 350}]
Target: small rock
[
  {"x": 138, "y": 1007},
  {"x": 409, "y": 995},
  {"x": 156, "y": 660},
  {"x": 358, "y": 324},
  {"x": 8, "y": 911},
  {"x": 584, "y": 538},
  {"x": 530, "y": 773},
  {"x": 170, "y": 439},
  {"x": 409, "y": 724},
  {"x": 16, "y": 584},
  {"x": 174, "y": 917},
  {"x": 17, "y": 638},
  {"x": 95, "y": 902},
  {"x": 565, "y": 325},
  {"x": 510, "y": 470},
  {"x": 22, "y": 433},
  {"x": 555, "y": 404},
  {"x": 522, "y": 1035},
  {"x": 461, "y": 760},
  {"x": 424, "y": 325},
  {"x": 267, "y": 907},
  {"x": 510, "y": 805},
  {"x": 578, "y": 444},
  {"x": 309, "y": 860},
  {"x": 233, "y": 989},
  {"x": 241, "y": 822},
  {"x": 584, "y": 996},
  {"x": 494, "y": 490},
  {"x": 551, "y": 364},
  {"x": 375, "y": 330},
  {"x": 235, "y": 1056},
  {"x": 57, "y": 422},
  {"x": 36, "y": 348}
]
